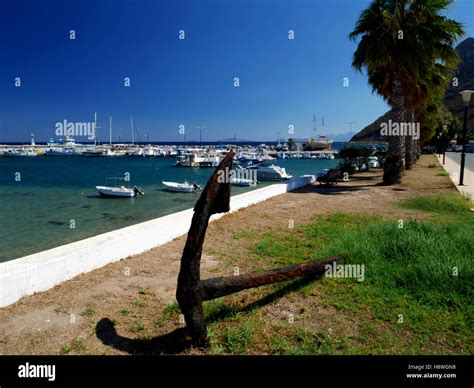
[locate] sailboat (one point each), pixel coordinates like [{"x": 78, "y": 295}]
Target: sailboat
[{"x": 320, "y": 142}]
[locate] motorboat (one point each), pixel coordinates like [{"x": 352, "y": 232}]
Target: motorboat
[
  {"x": 118, "y": 190},
  {"x": 268, "y": 172},
  {"x": 185, "y": 187}
]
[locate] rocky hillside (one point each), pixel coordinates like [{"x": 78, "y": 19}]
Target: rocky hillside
[{"x": 452, "y": 101}]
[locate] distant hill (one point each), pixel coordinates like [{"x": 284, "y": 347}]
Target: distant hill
[
  {"x": 452, "y": 101},
  {"x": 372, "y": 131},
  {"x": 465, "y": 76}
]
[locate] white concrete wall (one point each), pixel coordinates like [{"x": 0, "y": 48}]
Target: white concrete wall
[{"x": 42, "y": 271}]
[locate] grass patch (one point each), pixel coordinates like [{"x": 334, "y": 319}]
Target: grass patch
[
  {"x": 88, "y": 311},
  {"x": 454, "y": 204},
  {"x": 442, "y": 173},
  {"x": 169, "y": 311},
  {"x": 238, "y": 340},
  {"x": 218, "y": 309},
  {"x": 76, "y": 345},
  {"x": 139, "y": 303},
  {"x": 137, "y": 327},
  {"x": 418, "y": 259},
  {"x": 432, "y": 165},
  {"x": 422, "y": 271},
  {"x": 125, "y": 312}
]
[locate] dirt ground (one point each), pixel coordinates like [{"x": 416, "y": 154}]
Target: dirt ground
[{"x": 63, "y": 319}]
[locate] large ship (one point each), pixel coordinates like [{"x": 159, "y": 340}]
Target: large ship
[{"x": 319, "y": 142}]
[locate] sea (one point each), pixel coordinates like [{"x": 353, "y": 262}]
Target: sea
[{"x": 51, "y": 201}]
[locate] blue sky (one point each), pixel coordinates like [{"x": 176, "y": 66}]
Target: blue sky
[{"x": 191, "y": 81}]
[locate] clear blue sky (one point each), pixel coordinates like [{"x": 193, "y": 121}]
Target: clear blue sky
[{"x": 186, "y": 82}]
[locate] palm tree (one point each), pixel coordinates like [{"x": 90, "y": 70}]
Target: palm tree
[
  {"x": 401, "y": 43},
  {"x": 291, "y": 144}
]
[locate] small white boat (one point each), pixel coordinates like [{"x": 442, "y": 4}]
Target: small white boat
[
  {"x": 118, "y": 190},
  {"x": 185, "y": 187}
]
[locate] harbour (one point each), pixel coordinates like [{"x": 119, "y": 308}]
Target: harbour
[{"x": 52, "y": 201}]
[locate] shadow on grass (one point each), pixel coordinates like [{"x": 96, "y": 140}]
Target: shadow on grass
[{"x": 178, "y": 340}]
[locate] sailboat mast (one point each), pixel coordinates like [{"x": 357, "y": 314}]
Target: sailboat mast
[
  {"x": 95, "y": 130},
  {"x": 133, "y": 135},
  {"x": 314, "y": 123},
  {"x": 110, "y": 131}
]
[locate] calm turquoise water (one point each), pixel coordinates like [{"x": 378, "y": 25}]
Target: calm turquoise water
[{"x": 35, "y": 213}]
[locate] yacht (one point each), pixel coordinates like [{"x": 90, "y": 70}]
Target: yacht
[{"x": 267, "y": 171}]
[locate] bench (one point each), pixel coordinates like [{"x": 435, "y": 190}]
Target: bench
[{"x": 330, "y": 176}]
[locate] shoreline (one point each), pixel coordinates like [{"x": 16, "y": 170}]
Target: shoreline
[
  {"x": 64, "y": 319},
  {"x": 43, "y": 270}
]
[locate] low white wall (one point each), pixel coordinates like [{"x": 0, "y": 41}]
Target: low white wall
[{"x": 42, "y": 271}]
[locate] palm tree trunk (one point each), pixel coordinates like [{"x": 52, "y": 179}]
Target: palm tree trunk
[
  {"x": 409, "y": 141},
  {"x": 395, "y": 161}
]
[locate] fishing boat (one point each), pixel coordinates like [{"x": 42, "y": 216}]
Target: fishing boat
[
  {"x": 269, "y": 172},
  {"x": 185, "y": 187},
  {"x": 118, "y": 190}
]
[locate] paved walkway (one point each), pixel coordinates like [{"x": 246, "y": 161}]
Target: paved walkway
[{"x": 452, "y": 165}]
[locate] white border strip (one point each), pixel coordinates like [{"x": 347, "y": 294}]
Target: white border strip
[
  {"x": 453, "y": 168},
  {"x": 44, "y": 270}
]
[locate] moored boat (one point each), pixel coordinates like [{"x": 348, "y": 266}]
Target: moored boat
[
  {"x": 20, "y": 152},
  {"x": 118, "y": 190},
  {"x": 185, "y": 187}
]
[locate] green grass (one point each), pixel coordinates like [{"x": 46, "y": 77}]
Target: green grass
[
  {"x": 454, "y": 204},
  {"x": 417, "y": 260},
  {"x": 169, "y": 311},
  {"x": 136, "y": 327},
  {"x": 432, "y": 165},
  {"x": 237, "y": 340},
  {"x": 76, "y": 345},
  {"x": 139, "y": 303},
  {"x": 423, "y": 271},
  {"x": 442, "y": 173},
  {"x": 125, "y": 312},
  {"x": 88, "y": 311}
]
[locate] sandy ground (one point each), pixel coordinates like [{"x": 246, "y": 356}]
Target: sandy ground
[{"x": 141, "y": 286}]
